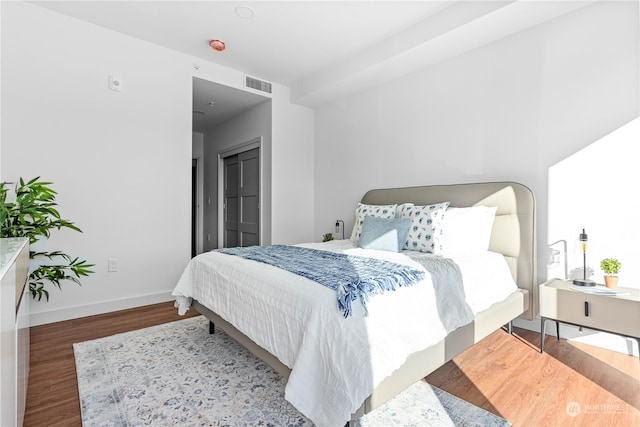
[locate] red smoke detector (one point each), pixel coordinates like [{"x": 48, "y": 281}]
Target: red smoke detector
[{"x": 217, "y": 45}]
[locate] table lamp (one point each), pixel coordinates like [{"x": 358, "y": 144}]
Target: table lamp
[{"x": 583, "y": 247}]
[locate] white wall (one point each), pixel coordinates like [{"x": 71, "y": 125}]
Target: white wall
[
  {"x": 293, "y": 173},
  {"x": 115, "y": 157},
  {"x": 596, "y": 189},
  {"x": 120, "y": 161},
  {"x": 507, "y": 111},
  {"x": 197, "y": 144}
]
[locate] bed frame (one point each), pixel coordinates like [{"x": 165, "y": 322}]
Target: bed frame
[{"x": 513, "y": 235}]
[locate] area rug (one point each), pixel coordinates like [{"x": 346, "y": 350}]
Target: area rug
[{"x": 179, "y": 374}]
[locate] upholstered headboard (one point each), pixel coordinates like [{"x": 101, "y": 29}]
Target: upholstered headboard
[{"x": 514, "y": 228}]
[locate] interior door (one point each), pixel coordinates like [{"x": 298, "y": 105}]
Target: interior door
[
  {"x": 249, "y": 197},
  {"x": 242, "y": 199}
]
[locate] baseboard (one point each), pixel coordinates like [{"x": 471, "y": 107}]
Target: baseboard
[
  {"x": 611, "y": 342},
  {"x": 69, "y": 313},
  {"x": 583, "y": 335},
  {"x": 532, "y": 325},
  {"x": 566, "y": 331}
]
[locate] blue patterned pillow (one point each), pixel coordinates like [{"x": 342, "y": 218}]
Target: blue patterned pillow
[
  {"x": 401, "y": 207},
  {"x": 378, "y": 211},
  {"x": 425, "y": 233},
  {"x": 384, "y": 234}
]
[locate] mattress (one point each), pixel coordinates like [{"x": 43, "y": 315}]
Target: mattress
[{"x": 336, "y": 362}]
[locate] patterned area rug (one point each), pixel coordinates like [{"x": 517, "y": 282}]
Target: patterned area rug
[{"x": 178, "y": 374}]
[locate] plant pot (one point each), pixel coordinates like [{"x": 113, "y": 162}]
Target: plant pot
[{"x": 611, "y": 281}]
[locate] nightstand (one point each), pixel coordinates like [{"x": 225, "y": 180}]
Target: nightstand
[{"x": 619, "y": 314}]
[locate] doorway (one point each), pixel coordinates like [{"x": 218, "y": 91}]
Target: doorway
[
  {"x": 196, "y": 205},
  {"x": 224, "y": 121}
]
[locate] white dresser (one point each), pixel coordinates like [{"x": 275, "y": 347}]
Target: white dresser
[{"x": 14, "y": 329}]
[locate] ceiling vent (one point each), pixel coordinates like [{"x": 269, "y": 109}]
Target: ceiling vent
[{"x": 257, "y": 84}]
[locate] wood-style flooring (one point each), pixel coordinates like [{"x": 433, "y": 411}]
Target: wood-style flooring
[
  {"x": 52, "y": 393},
  {"x": 568, "y": 385}
]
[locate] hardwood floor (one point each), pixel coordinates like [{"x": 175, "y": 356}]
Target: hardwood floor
[
  {"x": 504, "y": 374},
  {"x": 52, "y": 393},
  {"x": 508, "y": 376}
]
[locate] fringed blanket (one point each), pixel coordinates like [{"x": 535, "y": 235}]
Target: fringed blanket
[{"x": 352, "y": 277}]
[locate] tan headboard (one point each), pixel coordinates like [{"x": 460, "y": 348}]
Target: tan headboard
[{"x": 514, "y": 229}]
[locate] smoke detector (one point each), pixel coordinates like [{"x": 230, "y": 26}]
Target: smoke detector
[{"x": 245, "y": 12}]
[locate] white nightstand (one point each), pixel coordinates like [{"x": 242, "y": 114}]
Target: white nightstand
[{"x": 619, "y": 314}]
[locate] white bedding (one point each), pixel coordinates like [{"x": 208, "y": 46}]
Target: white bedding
[{"x": 336, "y": 362}]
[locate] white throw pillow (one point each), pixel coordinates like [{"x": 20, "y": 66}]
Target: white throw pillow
[
  {"x": 467, "y": 230},
  {"x": 378, "y": 211},
  {"x": 425, "y": 232},
  {"x": 401, "y": 207}
]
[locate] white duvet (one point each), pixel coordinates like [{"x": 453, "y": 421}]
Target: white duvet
[{"x": 336, "y": 362}]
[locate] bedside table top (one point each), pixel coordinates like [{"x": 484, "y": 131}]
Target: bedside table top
[{"x": 632, "y": 294}]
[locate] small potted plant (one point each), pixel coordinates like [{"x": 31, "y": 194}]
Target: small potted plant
[
  {"x": 611, "y": 268},
  {"x": 327, "y": 237}
]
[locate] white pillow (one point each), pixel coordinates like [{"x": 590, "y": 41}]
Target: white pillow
[
  {"x": 378, "y": 211},
  {"x": 467, "y": 230},
  {"x": 425, "y": 233},
  {"x": 401, "y": 207}
]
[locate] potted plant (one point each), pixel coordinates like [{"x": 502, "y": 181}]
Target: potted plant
[
  {"x": 611, "y": 268},
  {"x": 32, "y": 213},
  {"x": 327, "y": 237}
]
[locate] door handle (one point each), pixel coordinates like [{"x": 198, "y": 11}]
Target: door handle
[{"x": 586, "y": 308}]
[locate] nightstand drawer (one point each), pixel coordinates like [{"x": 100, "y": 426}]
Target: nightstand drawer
[{"x": 609, "y": 313}]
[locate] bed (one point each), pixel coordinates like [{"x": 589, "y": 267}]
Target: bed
[{"x": 313, "y": 378}]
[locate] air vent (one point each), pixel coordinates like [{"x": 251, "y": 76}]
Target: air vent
[{"x": 253, "y": 83}]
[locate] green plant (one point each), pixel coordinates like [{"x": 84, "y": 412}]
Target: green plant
[
  {"x": 33, "y": 215},
  {"x": 610, "y": 265},
  {"x": 326, "y": 237}
]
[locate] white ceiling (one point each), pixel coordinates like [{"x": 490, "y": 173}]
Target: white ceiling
[{"x": 321, "y": 49}]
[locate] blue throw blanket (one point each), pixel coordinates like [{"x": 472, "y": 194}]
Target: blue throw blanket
[{"x": 350, "y": 276}]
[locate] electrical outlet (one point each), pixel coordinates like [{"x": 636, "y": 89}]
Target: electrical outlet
[{"x": 112, "y": 265}]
